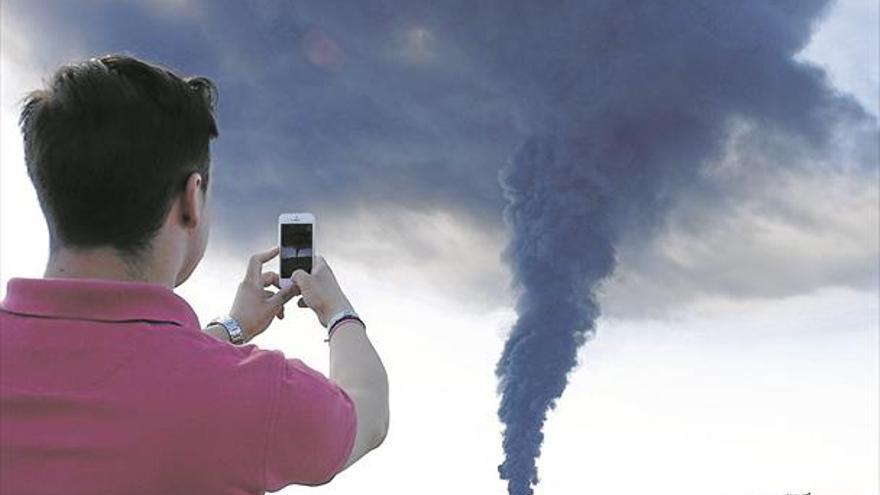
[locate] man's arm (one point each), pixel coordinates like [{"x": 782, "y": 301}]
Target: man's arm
[
  {"x": 354, "y": 364},
  {"x": 356, "y": 368}
]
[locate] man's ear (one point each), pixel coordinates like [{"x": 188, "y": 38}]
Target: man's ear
[{"x": 191, "y": 201}]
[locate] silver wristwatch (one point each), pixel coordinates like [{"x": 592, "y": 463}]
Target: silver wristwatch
[{"x": 236, "y": 335}]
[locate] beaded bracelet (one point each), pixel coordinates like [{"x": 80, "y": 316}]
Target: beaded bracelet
[{"x": 340, "y": 320}]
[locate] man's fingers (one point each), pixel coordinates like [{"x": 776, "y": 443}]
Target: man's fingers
[
  {"x": 281, "y": 297},
  {"x": 280, "y": 313},
  {"x": 255, "y": 264},
  {"x": 271, "y": 278}
]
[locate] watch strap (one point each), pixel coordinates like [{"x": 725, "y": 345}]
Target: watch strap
[{"x": 236, "y": 334}]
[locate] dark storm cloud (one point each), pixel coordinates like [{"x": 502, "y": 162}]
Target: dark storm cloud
[
  {"x": 396, "y": 115},
  {"x": 328, "y": 104},
  {"x": 392, "y": 114}
]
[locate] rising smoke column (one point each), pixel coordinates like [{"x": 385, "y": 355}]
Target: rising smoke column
[
  {"x": 555, "y": 215},
  {"x": 622, "y": 102}
]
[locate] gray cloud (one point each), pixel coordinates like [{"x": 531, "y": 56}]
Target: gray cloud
[
  {"x": 782, "y": 233},
  {"x": 773, "y": 218},
  {"x": 420, "y": 107}
]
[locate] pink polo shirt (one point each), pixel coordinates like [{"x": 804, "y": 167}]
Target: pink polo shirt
[{"x": 111, "y": 387}]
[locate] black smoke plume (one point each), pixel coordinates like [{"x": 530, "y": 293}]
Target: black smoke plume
[{"x": 624, "y": 102}]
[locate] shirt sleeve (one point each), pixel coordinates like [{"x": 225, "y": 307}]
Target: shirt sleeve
[{"x": 311, "y": 432}]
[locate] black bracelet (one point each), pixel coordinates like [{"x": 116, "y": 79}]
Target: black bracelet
[{"x": 336, "y": 324}]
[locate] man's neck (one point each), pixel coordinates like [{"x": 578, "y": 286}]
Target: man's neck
[{"x": 102, "y": 263}]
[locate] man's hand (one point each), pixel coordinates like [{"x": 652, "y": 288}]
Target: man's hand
[
  {"x": 254, "y": 306},
  {"x": 320, "y": 290}
]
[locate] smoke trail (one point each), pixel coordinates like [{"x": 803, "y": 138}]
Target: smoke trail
[
  {"x": 555, "y": 216},
  {"x": 623, "y": 101}
]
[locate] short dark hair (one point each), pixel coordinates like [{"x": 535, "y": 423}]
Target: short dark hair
[{"x": 109, "y": 144}]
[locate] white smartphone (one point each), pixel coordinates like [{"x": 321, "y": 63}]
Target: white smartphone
[{"x": 296, "y": 241}]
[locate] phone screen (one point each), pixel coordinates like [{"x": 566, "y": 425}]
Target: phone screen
[{"x": 296, "y": 248}]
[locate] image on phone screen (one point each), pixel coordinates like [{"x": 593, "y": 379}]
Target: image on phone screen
[{"x": 296, "y": 248}]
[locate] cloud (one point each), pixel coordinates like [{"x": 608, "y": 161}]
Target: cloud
[
  {"x": 437, "y": 254},
  {"x": 847, "y": 46},
  {"x": 766, "y": 247},
  {"x": 773, "y": 221},
  {"x": 410, "y": 117}
]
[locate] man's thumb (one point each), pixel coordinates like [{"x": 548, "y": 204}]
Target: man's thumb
[
  {"x": 298, "y": 277},
  {"x": 302, "y": 303}
]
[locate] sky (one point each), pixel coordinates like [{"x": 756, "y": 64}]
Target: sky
[{"x": 737, "y": 347}]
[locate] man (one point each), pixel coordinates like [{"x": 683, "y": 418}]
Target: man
[{"x": 107, "y": 382}]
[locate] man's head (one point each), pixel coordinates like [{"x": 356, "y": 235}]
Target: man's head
[{"x": 118, "y": 151}]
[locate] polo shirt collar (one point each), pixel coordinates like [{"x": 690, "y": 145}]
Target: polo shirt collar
[{"x": 99, "y": 300}]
